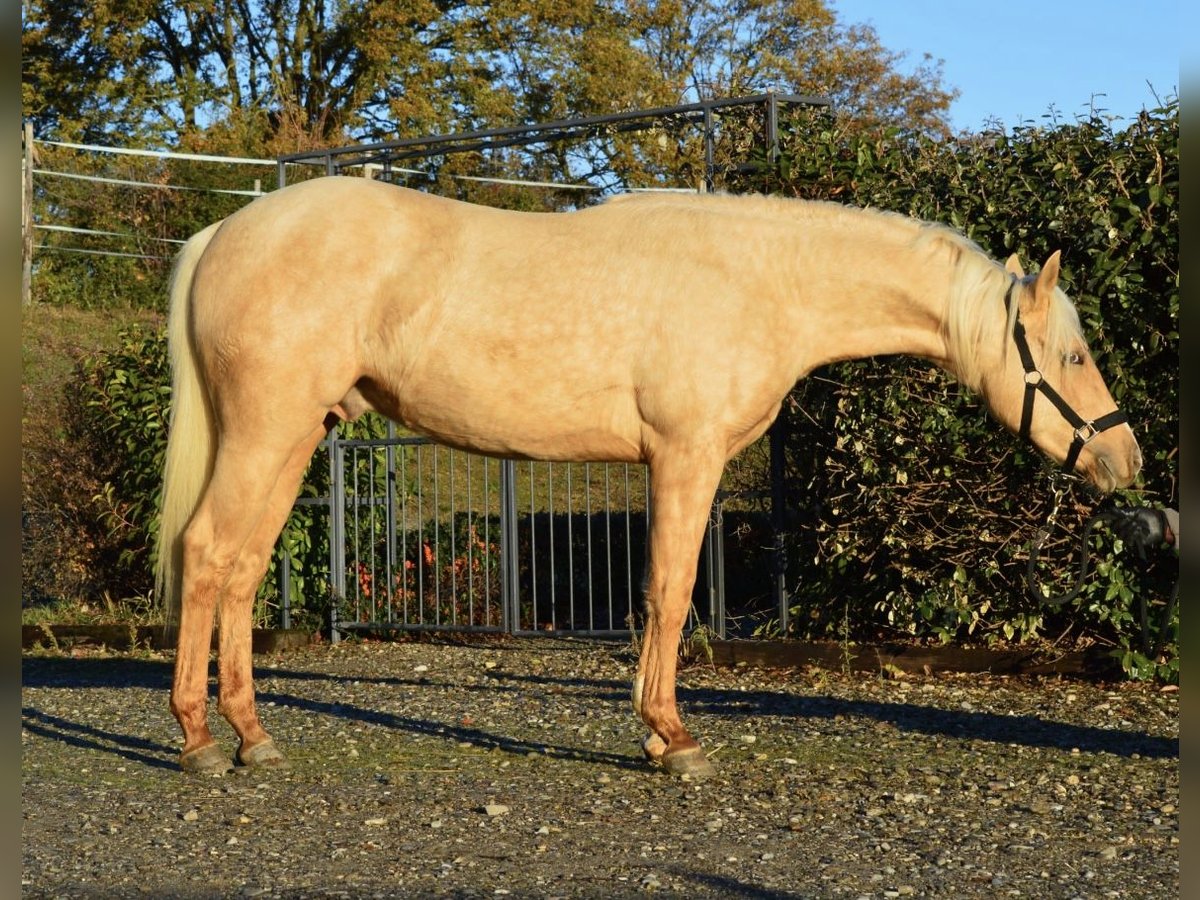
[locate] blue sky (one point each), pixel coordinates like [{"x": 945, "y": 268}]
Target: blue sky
[{"x": 1011, "y": 60}]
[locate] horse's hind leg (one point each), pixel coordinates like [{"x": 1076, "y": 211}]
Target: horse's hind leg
[
  {"x": 235, "y": 685},
  {"x": 682, "y": 485},
  {"x": 229, "y": 513}
]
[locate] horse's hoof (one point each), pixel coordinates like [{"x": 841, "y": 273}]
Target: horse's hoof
[
  {"x": 690, "y": 762},
  {"x": 207, "y": 760},
  {"x": 265, "y": 755},
  {"x": 653, "y": 747}
]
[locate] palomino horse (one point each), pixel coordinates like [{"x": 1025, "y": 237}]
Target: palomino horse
[{"x": 664, "y": 330}]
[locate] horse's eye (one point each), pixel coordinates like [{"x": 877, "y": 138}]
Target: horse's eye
[{"x": 1073, "y": 359}]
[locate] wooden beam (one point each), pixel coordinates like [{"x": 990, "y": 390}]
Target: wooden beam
[{"x": 1094, "y": 662}]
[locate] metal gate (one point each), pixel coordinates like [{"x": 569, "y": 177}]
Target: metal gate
[{"x": 423, "y": 537}]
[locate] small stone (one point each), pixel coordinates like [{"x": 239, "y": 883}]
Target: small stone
[
  {"x": 191, "y": 815},
  {"x": 375, "y": 823},
  {"x": 1108, "y": 853},
  {"x": 495, "y": 809},
  {"x": 421, "y": 668},
  {"x": 748, "y": 738}
]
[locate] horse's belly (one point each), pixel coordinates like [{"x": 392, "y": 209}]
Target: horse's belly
[{"x": 499, "y": 418}]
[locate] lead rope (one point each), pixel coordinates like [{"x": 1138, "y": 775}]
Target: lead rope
[{"x": 1060, "y": 484}]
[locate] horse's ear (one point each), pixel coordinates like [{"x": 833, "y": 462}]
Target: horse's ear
[
  {"x": 1013, "y": 266},
  {"x": 1047, "y": 279}
]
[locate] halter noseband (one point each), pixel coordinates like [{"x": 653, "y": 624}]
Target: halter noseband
[{"x": 1034, "y": 382}]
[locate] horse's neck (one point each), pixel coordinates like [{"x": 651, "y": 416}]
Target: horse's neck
[{"x": 872, "y": 298}]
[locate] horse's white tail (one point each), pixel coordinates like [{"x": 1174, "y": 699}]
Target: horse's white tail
[{"x": 191, "y": 440}]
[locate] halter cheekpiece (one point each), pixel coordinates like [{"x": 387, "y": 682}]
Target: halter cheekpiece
[{"x": 1034, "y": 382}]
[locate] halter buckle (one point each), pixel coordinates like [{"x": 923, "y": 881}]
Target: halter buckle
[
  {"x": 1086, "y": 432},
  {"x": 1033, "y": 377}
]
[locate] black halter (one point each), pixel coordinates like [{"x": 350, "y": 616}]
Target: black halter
[{"x": 1034, "y": 382}]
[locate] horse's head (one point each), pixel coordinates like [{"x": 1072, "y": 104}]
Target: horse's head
[{"x": 1046, "y": 386}]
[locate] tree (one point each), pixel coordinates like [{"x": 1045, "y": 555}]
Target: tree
[{"x": 287, "y": 73}]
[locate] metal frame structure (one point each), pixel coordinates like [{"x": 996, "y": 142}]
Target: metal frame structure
[
  {"x": 388, "y": 157},
  {"x": 702, "y": 114}
]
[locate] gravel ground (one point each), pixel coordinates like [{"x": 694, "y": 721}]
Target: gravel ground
[{"x": 513, "y": 768}]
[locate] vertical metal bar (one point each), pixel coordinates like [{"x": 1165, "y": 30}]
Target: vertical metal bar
[
  {"x": 372, "y": 534},
  {"x": 608, "y": 543},
  {"x": 420, "y": 536},
  {"x": 628, "y": 548},
  {"x": 280, "y": 174},
  {"x": 532, "y": 550},
  {"x": 709, "y": 152},
  {"x": 437, "y": 534},
  {"x": 719, "y": 555},
  {"x": 337, "y": 533},
  {"x": 404, "y": 560},
  {"x": 778, "y": 523},
  {"x": 508, "y": 544},
  {"x": 714, "y": 546},
  {"x": 27, "y": 242},
  {"x": 553, "y": 564},
  {"x": 587, "y": 505},
  {"x": 470, "y": 543},
  {"x": 390, "y": 530},
  {"x": 453, "y": 548},
  {"x": 487, "y": 534},
  {"x": 570, "y": 552},
  {"x": 772, "y": 132},
  {"x": 357, "y": 534},
  {"x": 285, "y": 586}
]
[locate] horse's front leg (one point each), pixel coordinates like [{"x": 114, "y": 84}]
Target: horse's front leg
[{"x": 682, "y": 486}]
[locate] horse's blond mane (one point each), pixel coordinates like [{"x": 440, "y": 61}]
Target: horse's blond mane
[{"x": 978, "y": 289}]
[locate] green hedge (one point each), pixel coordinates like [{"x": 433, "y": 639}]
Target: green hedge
[{"x": 914, "y": 512}]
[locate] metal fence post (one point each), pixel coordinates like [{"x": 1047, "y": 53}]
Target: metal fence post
[
  {"x": 714, "y": 558},
  {"x": 778, "y": 525},
  {"x": 337, "y": 533},
  {"x": 285, "y": 590},
  {"x": 509, "y": 559}
]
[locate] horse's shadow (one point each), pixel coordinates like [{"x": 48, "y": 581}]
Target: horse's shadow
[{"x": 785, "y": 708}]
